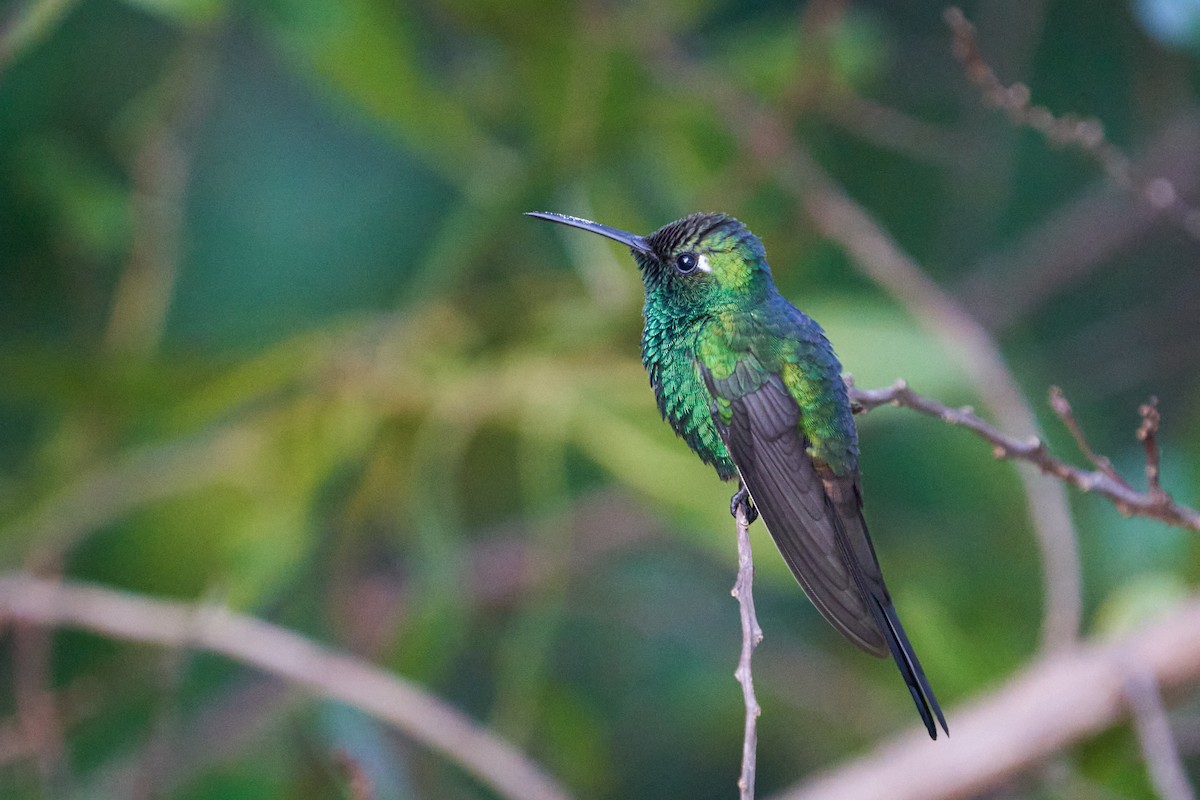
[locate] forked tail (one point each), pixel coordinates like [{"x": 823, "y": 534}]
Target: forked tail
[{"x": 910, "y": 667}]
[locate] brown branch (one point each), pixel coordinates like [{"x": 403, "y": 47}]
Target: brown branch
[
  {"x": 1104, "y": 481},
  {"x": 1066, "y": 129},
  {"x": 381, "y": 694},
  {"x": 1054, "y": 702},
  {"x": 1147, "y": 434},
  {"x": 1061, "y": 406},
  {"x": 978, "y": 355},
  {"x": 743, "y": 590},
  {"x": 1085, "y": 133}
]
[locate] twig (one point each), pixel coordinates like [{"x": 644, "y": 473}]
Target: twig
[
  {"x": 1154, "y": 735},
  {"x": 383, "y": 695},
  {"x": 1147, "y": 434},
  {"x": 743, "y": 590},
  {"x": 1085, "y": 133},
  {"x": 1049, "y": 705},
  {"x": 1058, "y": 402},
  {"x": 1154, "y": 502}
]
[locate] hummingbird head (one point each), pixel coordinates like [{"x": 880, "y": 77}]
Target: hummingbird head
[{"x": 702, "y": 260}]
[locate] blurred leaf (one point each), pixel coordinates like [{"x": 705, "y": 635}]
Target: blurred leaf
[{"x": 89, "y": 206}]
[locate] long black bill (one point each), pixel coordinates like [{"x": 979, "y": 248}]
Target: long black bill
[{"x": 631, "y": 240}]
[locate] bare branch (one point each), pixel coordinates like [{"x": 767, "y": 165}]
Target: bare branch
[
  {"x": 743, "y": 590},
  {"x": 1147, "y": 434},
  {"x": 1154, "y": 735},
  {"x": 1055, "y": 701},
  {"x": 1062, "y": 407},
  {"x": 1154, "y": 502},
  {"x": 1067, "y": 129},
  {"x": 1085, "y": 133},
  {"x": 385, "y": 696}
]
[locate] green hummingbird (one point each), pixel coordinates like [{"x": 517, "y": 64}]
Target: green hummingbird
[{"x": 752, "y": 384}]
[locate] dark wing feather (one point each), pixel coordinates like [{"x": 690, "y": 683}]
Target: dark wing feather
[
  {"x": 817, "y": 525},
  {"x": 764, "y": 441}
]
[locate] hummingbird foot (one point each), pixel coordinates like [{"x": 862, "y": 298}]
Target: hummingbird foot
[{"x": 742, "y": 498}]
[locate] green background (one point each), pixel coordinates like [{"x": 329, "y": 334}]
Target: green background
[{"x": 273, "y": 333}]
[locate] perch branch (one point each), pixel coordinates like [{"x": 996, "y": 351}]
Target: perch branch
[
  {"x": 743, "y": 590},
  {"x": 280, "y": 652},
  {"x": 1054, "y": 702},
  {"x": 1103, "y": 480}
]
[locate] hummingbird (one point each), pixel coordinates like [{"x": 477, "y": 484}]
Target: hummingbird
[{"x": 752, "y": 384}]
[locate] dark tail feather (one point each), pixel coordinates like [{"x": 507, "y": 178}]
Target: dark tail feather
[{"x": 910, "y": 668}]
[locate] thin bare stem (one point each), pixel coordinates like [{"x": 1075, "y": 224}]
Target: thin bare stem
[
  {"x": 1154, "y": 735},
  {"x": 288, "y": 655},
  {"x": 743, "y": 590},
  {"x": 1085, "y": 133},
  {"x": 1154, "y": 502},
  {"x": 1066, "y": 129},
  {"x": 1147, "y": 434},
  {"x": 1062, "y": 407}
]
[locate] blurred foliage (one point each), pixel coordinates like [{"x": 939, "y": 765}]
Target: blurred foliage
[{"x": 274, "y": 333}]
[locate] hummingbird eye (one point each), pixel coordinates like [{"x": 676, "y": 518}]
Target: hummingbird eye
[{"x": 685, "y": 263}]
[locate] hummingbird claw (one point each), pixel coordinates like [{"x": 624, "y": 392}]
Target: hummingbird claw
[{"x": 742, "y": 498}]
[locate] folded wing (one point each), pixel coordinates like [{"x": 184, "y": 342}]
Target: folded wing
[{"x": 817, "y": 524}]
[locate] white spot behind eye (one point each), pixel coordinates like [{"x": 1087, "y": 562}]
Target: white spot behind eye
[{"x": 702, "y": 263}]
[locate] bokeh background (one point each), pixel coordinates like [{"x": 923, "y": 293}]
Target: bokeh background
[{"x": 274, "y": 334}]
